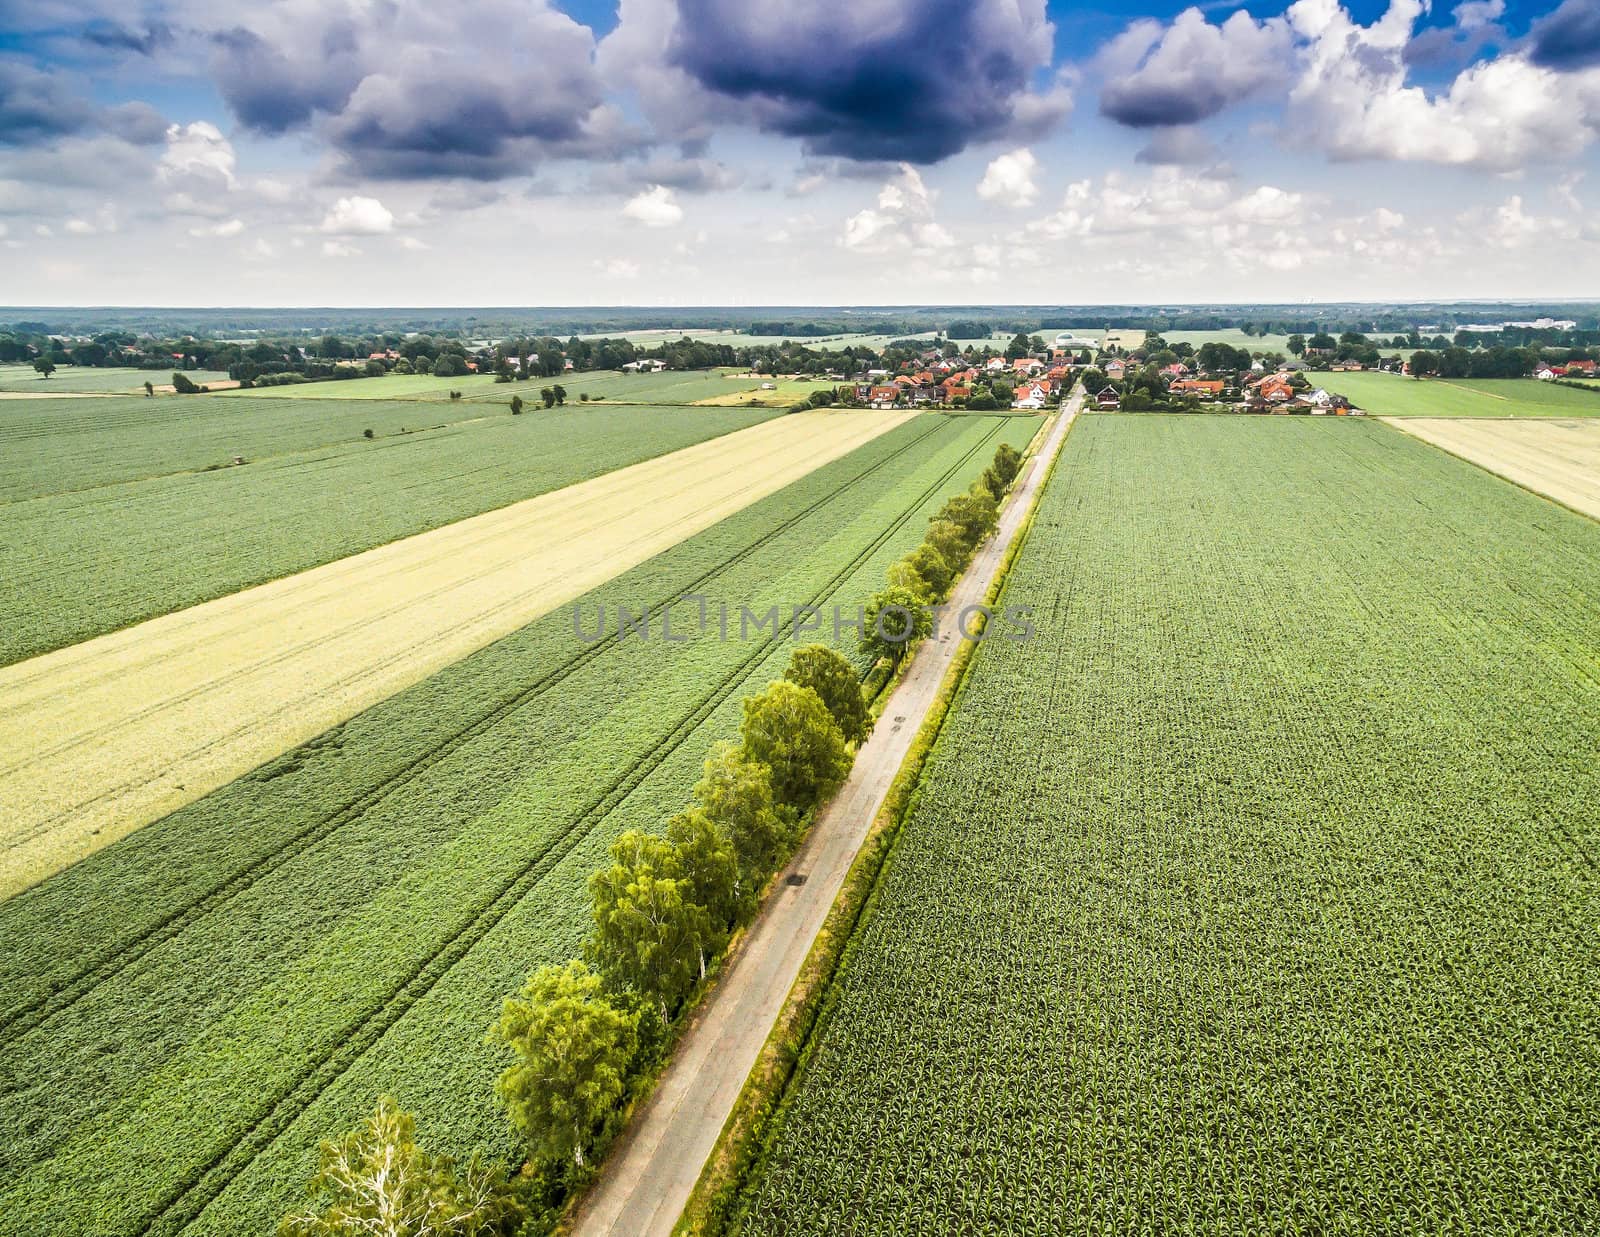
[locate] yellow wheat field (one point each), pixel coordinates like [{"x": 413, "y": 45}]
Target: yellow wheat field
[
  {"x": 101, "y": 738},
  {"x": 1557, "y": 457}
]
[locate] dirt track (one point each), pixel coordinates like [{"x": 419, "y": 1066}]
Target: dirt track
[
  {"x": 99, "y": 739},
  {"x": 1559, "y": 458}
]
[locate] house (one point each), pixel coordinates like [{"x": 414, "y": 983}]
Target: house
[
  {"x": 1108, "y": 398},
  {"x": 884, "y": 396},
  {"x": 1115, "y": 368},
  {"x": 1345, "y": 367},
  {"x": 1204, "y": 387},
  {"x": 1274, "y": 389},
  {"x": 1026, "y": 366},
  {"x": 1545, "y": 373},
  {"x": 1585, "y": 368},
  {"x": 953, "y": 393},
  {"x": 646, "y": 366},
  {"x": 995, "y": 364},
  {"x": 1031, "y": 395},
  {"x": 1176, "y": 370}
]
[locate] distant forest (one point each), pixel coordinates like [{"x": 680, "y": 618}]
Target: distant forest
[{"x": 796, "y": 322}]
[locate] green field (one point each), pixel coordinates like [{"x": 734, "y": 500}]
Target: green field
[
  {"x": 1256, "y": 895},
  {"x": 1392, "y": 395},
  {"x": 81, "y": 562},
  {"x": 667, "y": 387},
  {"x": 59, "y": 446},
  {"x": 224, "y": 988},
  {"x": 95, "y": 381}
]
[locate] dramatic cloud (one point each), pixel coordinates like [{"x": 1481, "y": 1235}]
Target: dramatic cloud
[
  {"x": 1009, "y": 179},
  {"x": 407, "y": 89},
  {"x": 911, "y": 80},
  {"x": 37, "y": 107},
  {"x": 1569, "y": 38},
  {"x": 1191, "y": 70},
  {"x": 654, "y": 208},
  {"x": 1353, "y": 98}
]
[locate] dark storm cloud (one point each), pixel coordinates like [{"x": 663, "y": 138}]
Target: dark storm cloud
[
  {"x": 37, "y": 107},
  {"x": 917, "y": 80},
  {"x": 1144, "y": 103},
  {"x": 1569, "y": 38},
  {"x": 482, "y": 89}
]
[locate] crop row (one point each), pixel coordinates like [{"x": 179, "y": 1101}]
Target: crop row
[
  {"x": 1257, "y": 893},
  {"x": 85, "y": 563},
  {"x": 372, "y": 947}
]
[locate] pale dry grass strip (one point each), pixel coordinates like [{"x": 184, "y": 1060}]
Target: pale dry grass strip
[
  {"x": 101, "y": 738},
  {"x": 1557, "y": 457}
]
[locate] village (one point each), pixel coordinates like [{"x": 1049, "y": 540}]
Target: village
[{"x": 1126, "y": 370}]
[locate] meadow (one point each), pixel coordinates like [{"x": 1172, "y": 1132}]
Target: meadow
[
  {"x": 666, "y": 387},
  {"x": 1257, "y": 893},
  {"x": 221, "y": 990},
  {"x": 1392, "y": 395},
  {"x": 94, "y": 381},
  {"x": 83, "y": 563}
]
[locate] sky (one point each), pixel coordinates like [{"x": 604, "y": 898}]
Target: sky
[{"x": 795, "y": 152}]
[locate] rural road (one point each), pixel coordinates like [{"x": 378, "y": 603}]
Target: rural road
[{"x": 653, "y": 1169}]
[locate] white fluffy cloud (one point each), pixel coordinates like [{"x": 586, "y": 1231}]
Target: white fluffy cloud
[
  {"x": 1190, "y": 70},
  {"x": 358, "y": 216},
  {"x": 1349, "y": 87},
  {"x": 1009, "y": 179},
  {"x": 1354, "y": 100},
  {"x": 197, "y": 169},
  {"x": 656, "y": 207},
  {"x": 903, "y": 220}
]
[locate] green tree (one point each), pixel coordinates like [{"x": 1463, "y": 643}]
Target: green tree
[
  {"x": 708, "y": 864},
  {"x": 149, "y": 390},
  {"x": 1019, "y": 346},
  {"x": 896, "y": 620},
  {"x": 182, "y": 384},
  {"x": 548, "y": 396},
  {"x": 44, "y": 366},
  {"x": 735, "y": 793},
  {"x": 573, "y": 1050},
  {"x": 975, "y": 514},
  {"x": 982, "y": 400},
  {"x": 826, "y": 672},
  {"x": 992, "y": 483},
  {"x": 1297, "y": 345},
  {"x": 949, "y": 542},
  {"x": 649, "y": 936},
  {"x": 932, "y": 566},
  {"x": 377, "y": 1180},
  {"x": 560, "y": 393},
  {"x": 516, "y": 405},
  {"x": 1007, "y": 462},
  {"x": 789, "y": 729}
]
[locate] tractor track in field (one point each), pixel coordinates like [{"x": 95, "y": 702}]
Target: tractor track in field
[
  {"x": 25, "y": 1016},
  {"x": 188, "y": 1199}
]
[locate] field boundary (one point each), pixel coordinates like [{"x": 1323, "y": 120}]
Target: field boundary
[
  {"x": 746, "y": 1136},
  {"x": 1398, "y": 424}
]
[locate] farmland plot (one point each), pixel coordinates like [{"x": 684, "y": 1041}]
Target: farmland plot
[
  {"x": 1259, "y": 893},
  {"x": 1560, "y": 459},
  {"x": 82, "y": 564},
  {"x": 65, "y": 446},
  {"x": 105, "y": 736},
  {"x": 1395, "y": 396},
  {"x": 75, "y": 379},
  {"x": 346, "y": 920},
  {"x": 667, "y": 387}
]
